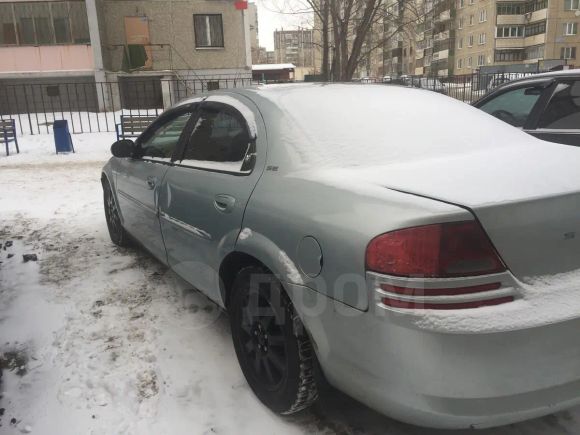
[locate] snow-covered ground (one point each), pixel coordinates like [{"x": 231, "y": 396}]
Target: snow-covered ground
[{"x": 103, "y": 340}]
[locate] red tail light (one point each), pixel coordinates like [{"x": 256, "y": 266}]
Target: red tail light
[{"x": 455, "y": 249}]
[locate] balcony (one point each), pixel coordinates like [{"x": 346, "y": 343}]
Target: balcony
[
  {"x": 46, "y": 58},
  {"x": 442, "y": 36},
  {"x": 441, "y": 55},
  {"x": 443, "y": 16},
  {"x": 510, "y": 20},
  {"x": 535, "y": 40},
  {"x": 152, "y": 57},
  {"x": 503, "y": 43},
  {"x": 542, "y": 14}
]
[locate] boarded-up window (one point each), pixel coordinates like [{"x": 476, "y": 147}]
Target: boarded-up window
[{"x": 208, "y": 30}]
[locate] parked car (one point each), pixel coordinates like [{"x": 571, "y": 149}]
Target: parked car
[
  {"x": 427, "y": 269},
  {"x": 498, "y": 79},
  {"x": 544, "y": 105},
  {"x": 429, "y": 83}
]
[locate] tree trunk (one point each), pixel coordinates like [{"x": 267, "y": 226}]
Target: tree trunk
[
  {"x": 325, "y": 12},
  {"x": 361, "y": 33}
]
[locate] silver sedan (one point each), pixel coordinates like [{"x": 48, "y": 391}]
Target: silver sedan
[{"x": 413, "y": 251}]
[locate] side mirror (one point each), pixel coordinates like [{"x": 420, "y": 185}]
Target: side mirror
[{"x": 123, "y": 148}]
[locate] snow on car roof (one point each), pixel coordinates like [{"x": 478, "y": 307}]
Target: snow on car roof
[{"x": 348, "y": 125}]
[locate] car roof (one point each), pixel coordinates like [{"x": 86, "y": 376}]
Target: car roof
[
  {"x": 537, "y": 77},
  {"x": 320, "y": 124}
]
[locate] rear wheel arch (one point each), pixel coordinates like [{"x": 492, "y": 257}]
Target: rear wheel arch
[
  {"x": 229, "y": 268},
  {"x": 235, "y": 262}
]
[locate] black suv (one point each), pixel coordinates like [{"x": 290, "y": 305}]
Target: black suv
[{"x": 544, "y": 105}]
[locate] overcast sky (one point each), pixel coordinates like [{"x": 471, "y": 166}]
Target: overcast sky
[{"x": 269, "y": 19}]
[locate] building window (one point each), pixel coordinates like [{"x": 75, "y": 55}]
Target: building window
[
  {"x": 509, "y": 56},
  {"x": 571, "y": 5},
  {"x": 469, "y": 62},
  {"x": 568, "y": 53},
  {"x": 483, "y": 15},
  {"x": 79, "y": 23},
  {"x": 460, "y": 43},
  {"x": 44, "y": 23},
  {"x": 510, "y": 9},
  {"x": 461, "y": 22},
  {"x": 536, "y": 5},
  {"x": 470, "y": 41},
  {"x": 8, "y": 33},
  {"x": 535, "y": 52},
  {"x": 510, "y": 31},
  {"x": 471, "y": 2},
  {"x": 471, "y": 20},
  {"x": 460, "y": 63},
  {"x": 570, "y": 29},
  {"x": 61, "y": 23},
  {"x": 536, "y": 28},
  {"x": 461, "y": 3},
  {"x": 208, "y": 31},
  {"x": 481, "y": 60},
  {"x": 482, "y": 38}
]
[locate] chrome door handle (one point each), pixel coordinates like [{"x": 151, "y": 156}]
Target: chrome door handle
[
  {"x": 224, "y": 203},
  {"x": 151, "y": 182}
]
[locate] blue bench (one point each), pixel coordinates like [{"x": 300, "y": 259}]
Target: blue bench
[
  {"x": 131, "y": 126},
  {"x": 8, "y": 134}
]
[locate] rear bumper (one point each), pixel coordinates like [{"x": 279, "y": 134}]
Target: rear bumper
[{"x": 440, "y": 379}]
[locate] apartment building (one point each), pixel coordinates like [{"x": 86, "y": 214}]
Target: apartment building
[
  {"x": 54, "y": 42},
  {"x": 295, "y": 47},
  {"x": 425, "y": 34},
  {"x": 254, "y": 32},
  {"x": 494, "y": 33}
]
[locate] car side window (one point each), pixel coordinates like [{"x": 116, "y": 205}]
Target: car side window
[
  {"x": 515, "y": 106},
  {"x": 563, "y": 110},
  {"x": 161, "y": 143},
  {"x": 220, "y": 141}
]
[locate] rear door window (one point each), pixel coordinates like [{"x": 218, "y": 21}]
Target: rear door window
[
  {"x": 514, "y": 106},
  {"x": 563, "y": 110},
  {"x": 220, "y": 141}
]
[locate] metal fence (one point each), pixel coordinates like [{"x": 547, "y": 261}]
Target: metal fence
[
  {"x": 91, "y": 107},
  {"x": 465, "y": 88}
]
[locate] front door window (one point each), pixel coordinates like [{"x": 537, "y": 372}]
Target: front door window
[{"x": 515, "y": 106}]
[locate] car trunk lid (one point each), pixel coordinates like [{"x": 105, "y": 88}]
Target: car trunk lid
[{"x": 527, "y": 198}]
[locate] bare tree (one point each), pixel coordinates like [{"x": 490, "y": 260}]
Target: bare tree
[{"x": 345, "y": 27}]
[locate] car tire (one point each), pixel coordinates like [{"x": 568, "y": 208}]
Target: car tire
[
  {"x": 272, "y": 346},
  {"x": 116, "y": 231}
]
